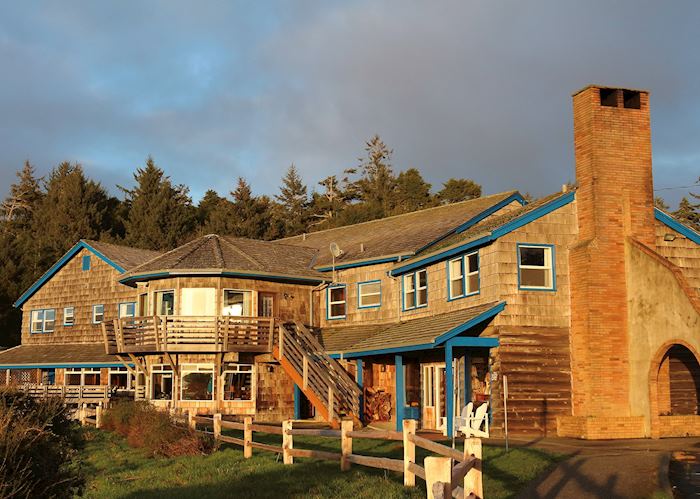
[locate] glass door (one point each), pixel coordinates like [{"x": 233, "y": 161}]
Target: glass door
[{"x": 433, "y": 393}]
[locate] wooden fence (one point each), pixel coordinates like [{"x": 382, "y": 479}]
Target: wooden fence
[
  {"x": 461, "y": 480},
  {"x": 88, "y": 415}
]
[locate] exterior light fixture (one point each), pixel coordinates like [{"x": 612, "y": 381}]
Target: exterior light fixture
[{"x": 669, "y": 237}]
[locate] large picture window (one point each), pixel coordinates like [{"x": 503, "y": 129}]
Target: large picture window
[
  {"x": 161, "y": 383},
  {"x": 337, "y": 302},
  {"x": 237, "y": 303},
  {"x": 165, "y": 302},
  {"x": 369, "y": 294},
  {"x": 463, "y": 275},
  {"x": 536, "y": 267},
  {"x": 43, "y": 321},
  {"x": 415, "y": 290},
  {"x": 238, "y": 382},
  {"x": 197, "y": 382}
]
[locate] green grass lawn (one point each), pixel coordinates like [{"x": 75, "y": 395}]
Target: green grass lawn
[{"x": 116, "y": 470}]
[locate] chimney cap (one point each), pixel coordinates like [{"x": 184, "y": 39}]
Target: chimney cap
[{"x": 610, "y": 88}]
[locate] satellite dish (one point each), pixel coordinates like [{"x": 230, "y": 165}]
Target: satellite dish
[{"x": 335, "y": 250}]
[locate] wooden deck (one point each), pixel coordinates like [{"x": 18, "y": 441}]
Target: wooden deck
[
  {"x": 71, "y": 394},
  {"x": 179, "y": 334}
]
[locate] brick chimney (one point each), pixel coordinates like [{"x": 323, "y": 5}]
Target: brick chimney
[{"x": 614, "y": 200}]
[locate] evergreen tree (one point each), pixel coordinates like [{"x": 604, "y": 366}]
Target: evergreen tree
[
  {"x": 250, "y": 215},
  {"x": 207, "y": 205},
  {"x": 327, "y": 205},
  {"x": 689, "y": 212},
  {"x": 19, "y": 206},
  {"x": 660, "y": 203},
  {"x": 293, "y": 203},
  {"x": 412, "y": 192},
  {"x": 377, "y": 182},
  {"x": 160, "y": 215},
  {"x": 456, "y": 190}
]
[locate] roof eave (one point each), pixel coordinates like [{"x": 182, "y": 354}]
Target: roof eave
[{"x": 130, "y": 280}]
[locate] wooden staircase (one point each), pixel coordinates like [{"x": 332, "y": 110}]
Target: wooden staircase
[{"x": 322, "y": 379}]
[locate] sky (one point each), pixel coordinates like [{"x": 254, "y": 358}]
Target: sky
[{"x": 217, "y": 90}]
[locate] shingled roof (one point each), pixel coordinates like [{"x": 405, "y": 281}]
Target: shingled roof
[
  {"x": 421, "y": 331},
  {"x": 124, "y": 256},
  {"x": 398, "y": 235},
  {"x": 221, "y": 254},
  {"x": 56, "y": 355}
]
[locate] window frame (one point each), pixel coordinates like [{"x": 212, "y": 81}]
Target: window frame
[
  {"x": 329, "y": 303},
  {"x": 43, "y": 321},
  {"x": 360, "y": 294},
  {"x": 86, "y": 263},
  {"x": 464, "y": 259},
  {"x": 163, "y": 369},
  {"x": 228, "y": 369},
  {"x": 191, "y": 368},
  {"x": 551, "y": 267},
  {"x": 119, "y": 309},
  {"x": 156, "y": 305},
  {"x": 82, "y": 371},
  {"x": 65, "y": 315},
  {"x": 416, "y": 288},
  {"x": 237, "y": 290},
  {"x": 130, "y": 381},
  {"x": 94, "y": 308}
]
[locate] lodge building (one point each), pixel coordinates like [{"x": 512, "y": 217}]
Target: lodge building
[{"x": 587, "y": 300}]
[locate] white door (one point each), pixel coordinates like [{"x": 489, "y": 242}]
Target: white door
[
  {"x": 433, "y": 393},
  {"x": 198, "y": 302}
]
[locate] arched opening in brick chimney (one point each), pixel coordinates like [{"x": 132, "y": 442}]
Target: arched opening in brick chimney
[{"x": 678, "y": 383}]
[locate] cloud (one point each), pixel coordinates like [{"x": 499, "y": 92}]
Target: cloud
[{"x": 219, "y": 90}]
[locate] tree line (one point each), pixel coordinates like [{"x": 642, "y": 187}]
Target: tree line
[{"x": 42, "y": 218}]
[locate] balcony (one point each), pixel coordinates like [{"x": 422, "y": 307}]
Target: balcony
[{"x": 181, "y": 334}]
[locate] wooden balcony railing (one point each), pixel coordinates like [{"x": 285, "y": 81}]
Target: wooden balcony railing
[
  {"x": 188, "y": 334},
  {"x": 71, "y": 393}
]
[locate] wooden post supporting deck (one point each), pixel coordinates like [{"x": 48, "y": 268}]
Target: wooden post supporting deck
[
  {"x": 216, "y": 424},
  {"x": 409, "y": 452},
  {"x": 190, "y": 419},
  {"x": 345, "y": 444},
  {"x": 98, "y": 416},
  {"x": 287, "y": 442},
  {"x": 248, "y": 436},
  {"x": 82, "y": 413},
  {"x": 438, "y": 476},
  {"x": 473, "y": 482}
]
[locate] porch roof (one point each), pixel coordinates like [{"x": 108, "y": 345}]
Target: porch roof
[
  {"x": 422, "y": 333},
  {"x": 75, "y": 355}
]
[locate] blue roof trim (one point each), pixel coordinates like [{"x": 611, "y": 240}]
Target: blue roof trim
[
  {"x": 514, "y": 224},
  {"x": 61, "y": 366},
  {"x": 674, "y": 224},
  {"x": 142, "y": 277},
  {"x": 362, "y": 263},
  {"x": 59, "y": 265},
  {"x": 448, "y": 336},
  {"x": 474, "y": 341},
  {"x": 476, "y": 219}
]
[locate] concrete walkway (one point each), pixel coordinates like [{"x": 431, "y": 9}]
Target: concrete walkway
[{"x": 604, "y": 469}]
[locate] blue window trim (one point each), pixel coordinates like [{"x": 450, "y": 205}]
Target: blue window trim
[
  {"x": 554, "y": 266},
  {"x": 359, "y": 285},
  {"x": 674, "y": 224},
  {"x": 64, "y": 316},
  {"x": 415, "y": 289},
  {"x": 43, "y": 320},
  {"x": 465, "y": 267},
  {"x": 93, "y": 313},
  {"x": 119, "y": 306},
  {"x": 86, "y": 262},
  {"x": 328, "y": 303}
]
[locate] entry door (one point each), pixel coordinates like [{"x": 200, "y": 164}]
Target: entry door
[
  {"x": 266, "y": 305},
  {"x": 433, "y": 403}
]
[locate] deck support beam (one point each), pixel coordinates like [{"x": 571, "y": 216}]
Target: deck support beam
[{"x": 141, "y": 366}]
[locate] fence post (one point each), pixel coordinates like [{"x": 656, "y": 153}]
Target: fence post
[
  {"x": 345, "y": 444},
  {"x": 216, "y": 424},
  {"x": 190, "y": 419},
  {"x": 248, "y": 437},
  {"x": 82, "y": 413},
  {"x": 98, "y": 416},
  {"x": 409, "y": 452},
  {"x": 287, "y": 442},
  {"x": 438, "y": 475},
  {"x": 473, "y": 482}
]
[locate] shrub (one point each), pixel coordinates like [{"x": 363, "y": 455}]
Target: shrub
[
  {"x": 144, "y": 426},
  {"x": 38, "y": 445}
]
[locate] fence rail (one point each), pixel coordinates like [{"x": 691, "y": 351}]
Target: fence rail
[
  {"x": 72, "y": 393},
  {"x": 440, "y": 476}
]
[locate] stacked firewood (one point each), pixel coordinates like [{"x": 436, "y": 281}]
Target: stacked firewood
[{"x": 377, "y": 404}]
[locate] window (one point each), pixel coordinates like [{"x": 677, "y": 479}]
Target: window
[
  {"x": 336, "y": 298},
  {"x": 415, "y": 290},
  {"x": 86, "y": 262},
  {"x": 43, "y": 321},
  {"x": 238, "y": 382},
  {"x": 48, "y": 376},
  {"x": 198, "y": 302},
  {"x": 91, "y": 376},
  {"x": 536, "y": 267},
  {"x": 143, "y": 304},
  {"x": 165, "y": 302},
  {"x": 127, "y": 309},
  {"x": 120, "y": 378},
  {"x": 460, "y": 282},
  {"x": 98, "y": 314},
  {"x": 73, "y": 376},
  {"x": 161, "y": 383},
  {"x": 68, "y": 316},
  {"x": 76, "y": 376},
  {"x": 237, "y": 303},
  {"x": 197, "y": 382},
  {"x": 369, "y": 294}
]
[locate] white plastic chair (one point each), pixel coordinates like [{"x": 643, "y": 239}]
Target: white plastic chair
[
  {"x": 462, "y": 421},
  {"x": 480, "y": 418}
]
